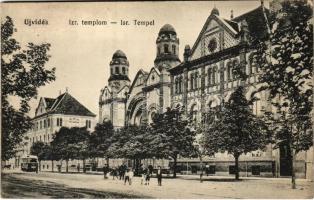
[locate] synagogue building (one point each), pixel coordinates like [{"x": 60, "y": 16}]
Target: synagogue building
[{"x": 201, "y": 81}]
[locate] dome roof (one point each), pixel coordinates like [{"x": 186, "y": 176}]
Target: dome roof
[
  {"x": 215, "y": 11},
  {"x": 119, "y": 54},
  {"x": 167, "y": 28}
]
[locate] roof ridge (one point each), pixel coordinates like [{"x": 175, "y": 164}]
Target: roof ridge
[
  {"x": 53, "y": 107},
  {"x": 248, "y": 12}
]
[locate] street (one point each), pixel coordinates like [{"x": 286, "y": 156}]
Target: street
[{"x": 56, "y": 185}]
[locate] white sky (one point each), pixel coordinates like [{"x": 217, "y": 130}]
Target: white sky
[{"x": 81, "y": 54}]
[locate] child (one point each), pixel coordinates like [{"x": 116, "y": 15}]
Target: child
[
  {"x": 127, "y": 177},
  {"x": 143, "y": 177},
  {"x": 131, "y": 174}
]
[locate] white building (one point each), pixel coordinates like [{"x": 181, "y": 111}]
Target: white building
[{"x": 51, "y": 114}]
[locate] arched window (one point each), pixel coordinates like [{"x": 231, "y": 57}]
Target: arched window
[
  {"x": 209, "y": 76},
  {"x": 251, "y": 64},
  {"x": 123, "y": 70},
  {"x": 229, "y": 71},
  {"x": 174, "y": 49},
  {"x": 192, "y": 82},
  {"x": 176, "y": 85},
  {"x": 195, "y": 80},
  {"x": 214, "y": 75},
  {"x": 166, "y": 48},
  {"x": 180, "y": 84},
  {"x": 256, "y": 107},
  {"x": 194, "y": 113}
]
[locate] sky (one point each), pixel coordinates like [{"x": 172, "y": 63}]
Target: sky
[{"x": 81, "y": 54}]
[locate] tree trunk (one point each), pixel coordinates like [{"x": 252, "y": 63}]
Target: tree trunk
[
  {"x": 52, "y": 165},
  {"x": 107, "y": 160},
  {"x": 84, "y": 168},
  {"x": 39, "y": 163},
  {"x": 67, "y": 165},
  {"x": 175, "y": 166},
  {"x": 236, "y": 167},
  {"x": 201, "y": 175},
  {"x": 293, "y": 169}
]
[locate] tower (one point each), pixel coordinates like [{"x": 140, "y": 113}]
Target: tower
[
  {"x": 167, "y": 57},
  {"x": 119, "y": 72},
  {"x": 167, "y": 47},
  {"x": 112, "y": 101}
]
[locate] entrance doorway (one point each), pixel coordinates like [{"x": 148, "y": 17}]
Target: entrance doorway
[{"x": 285, "y": 160}]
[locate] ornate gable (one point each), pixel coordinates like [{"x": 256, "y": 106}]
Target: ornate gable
[
  {"x": 139, "y": 80},
  {"x": 153, "y": 77},
  {"x": 217, "y": 34},
  {"x": 105, "y": 94}
]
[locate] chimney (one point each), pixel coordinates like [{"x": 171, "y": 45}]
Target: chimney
[
  {"x": 187, "y": 51},
  {"x": 231, "y": 16}
]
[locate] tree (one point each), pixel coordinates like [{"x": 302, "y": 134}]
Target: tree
[
  {"x": 71, "y": 143},
  {"x": 22, "y": 73},
  {"x": 101, "y": 139},
  {"x": 50, "y": 155},
  {"x": 132, "y": 142},
  {"x": 236, "y": 129},
  {"x": 39, "y": 149},
  {"x": 172, "y": 136},
  {"x": 286, "y": 61}
]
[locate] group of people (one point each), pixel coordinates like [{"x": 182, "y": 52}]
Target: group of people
[{"x": 127, "y": 174}]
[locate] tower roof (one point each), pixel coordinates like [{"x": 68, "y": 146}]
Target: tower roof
[
  {"x": 119, "y": 54},
  {"x": 167, "y": 28}
]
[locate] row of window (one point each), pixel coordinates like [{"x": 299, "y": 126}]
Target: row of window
[
  {"x": 59, "y": 121},
  {"x": 44, "y": 138},
  {"x": 117, "y": 70},
  {"x": 46, "y": 123},
  {"x": 88, "y": 124},
  {"x": 42, "y": 124},
  {"x": 167, "y": 49},
  {"x": 211, "y": 169},
  {"x": 212, "y": 75},
  {"x": 256, "y": 107}
]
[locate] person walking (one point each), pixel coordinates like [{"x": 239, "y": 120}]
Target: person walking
[
  {"x": 143, "y": 177},
  {"x": 127, "y": 177},
  {"x": 147, "y": 176},
  {"x": 105, "y": 169},
  {"x": 159, "y": 175}
]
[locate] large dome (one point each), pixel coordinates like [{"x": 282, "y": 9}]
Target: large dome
[
  {"x": 167, "y": 28},
  {"x": 119, "y": 54}
]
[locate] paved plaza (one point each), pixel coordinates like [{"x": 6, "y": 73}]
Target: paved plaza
[{"x": 94, "y": 186}]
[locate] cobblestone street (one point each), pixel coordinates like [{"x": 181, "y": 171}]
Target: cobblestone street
[{"x": 94, "y": 186}]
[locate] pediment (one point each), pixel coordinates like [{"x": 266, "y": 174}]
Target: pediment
[
  {"x": 216, "y": 35},
  {"x": 153, "y": 77},
  {"x": 105, "y": 93},
  {"x": 139, "y": 80}
]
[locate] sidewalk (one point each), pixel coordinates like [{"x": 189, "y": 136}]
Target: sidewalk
[{"x": 184, "y": 188}]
